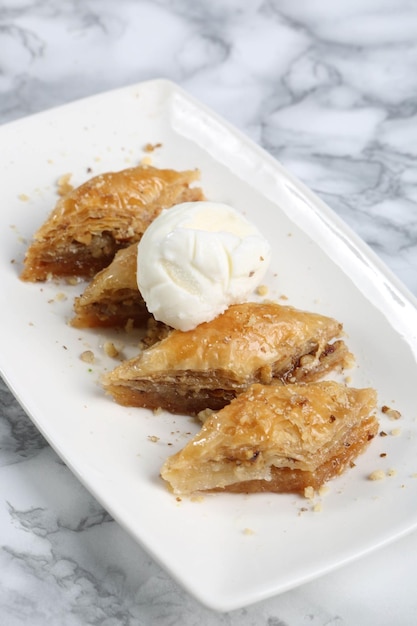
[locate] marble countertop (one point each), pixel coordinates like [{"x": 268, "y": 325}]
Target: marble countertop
[{"x": 329, "y": 88}]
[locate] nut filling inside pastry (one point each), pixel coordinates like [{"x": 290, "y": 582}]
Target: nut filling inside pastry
[
  {"x": 207, "y": 367},
  {"x": 108, "y": 212},
  {"x": 276, "y": 438},
  {"x": 112, "y": 298}
]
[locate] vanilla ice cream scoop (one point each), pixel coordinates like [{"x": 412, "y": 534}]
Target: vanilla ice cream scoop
[{"x": 196, "y": 259}]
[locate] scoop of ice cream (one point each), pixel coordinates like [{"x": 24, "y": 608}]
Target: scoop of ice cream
[{"x": 196, "y": 259}]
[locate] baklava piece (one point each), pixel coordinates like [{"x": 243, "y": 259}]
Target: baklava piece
[
  {"x": 112, "y": 298},
  {"x": 187, "y": 372},
  {"x": 276, "y": 438},
  {"x": 108, "y": 212}
]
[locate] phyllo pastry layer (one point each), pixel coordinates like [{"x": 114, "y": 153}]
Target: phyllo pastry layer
[
  {"x": 276, "y": 438},
  {"x": 112, "y": 298},
  {"x": 108, "y": 212},
  {"x": 207, "y": 367}
]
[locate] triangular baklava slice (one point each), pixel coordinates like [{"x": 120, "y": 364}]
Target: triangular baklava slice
[
  {"x": 276, "y": 438},
  {"x": 108, "y": 212},
  {"x": 112, "y": 298},
  {"x": 206, "y": 367}
]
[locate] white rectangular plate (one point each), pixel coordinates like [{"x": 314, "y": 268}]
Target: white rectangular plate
[{"x": 227, "y": 550}]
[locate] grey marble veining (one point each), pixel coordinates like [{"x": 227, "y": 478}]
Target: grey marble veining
[
  {"x": 20, "y": 440},
  {"x": 330, "y": 90}
]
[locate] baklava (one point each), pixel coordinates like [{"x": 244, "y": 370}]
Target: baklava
[
  {"x": 205, "y": 368},
  {"x": 112, "y": 298},
  {"x": 92, "y": 222},
  {"x": 276, "y": 438}
]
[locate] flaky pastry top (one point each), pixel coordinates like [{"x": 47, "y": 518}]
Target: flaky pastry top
[
  {"x": 297, "y": 426},
  {"x": 244, "y": 338}
]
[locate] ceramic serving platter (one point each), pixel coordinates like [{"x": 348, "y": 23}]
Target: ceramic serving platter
[{"x": 226, "y": 550}]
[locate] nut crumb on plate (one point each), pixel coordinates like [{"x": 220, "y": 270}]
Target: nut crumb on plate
[
  {"x": 110, "y": 349},
  {"x": 72, "y": 280},
  {"x": 262, "y": 290},
  {"x": 64, "y": 186},
  {"x": 87, "y": 356},
  {"x": 150, "y": 147},
  {"x": 377, "y": 475},
  {"x": 391, "y": 413}
]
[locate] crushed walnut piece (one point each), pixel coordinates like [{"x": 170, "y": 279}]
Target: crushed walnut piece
[
  {"x": 87, "y": 356},
  {"x": 155, "y": 332},
  {"x": 309, "y": 493},
  {"x": 150, "y": 147},
  {"x": 377, "y": 475},
  {"x": 72, "y": 280},
  {"x": 63, "y": 184},
  {"x": 262, "y": 290},
  {"x": 391, "y": 413},
  {"x": 110, "y": 349}
]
